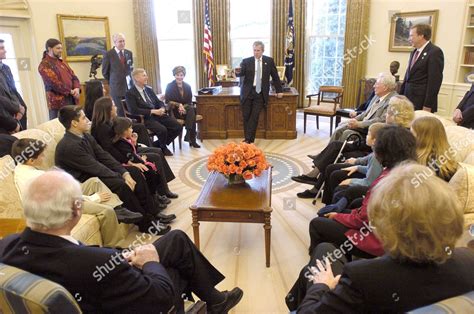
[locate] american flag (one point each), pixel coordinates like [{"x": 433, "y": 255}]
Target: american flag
[
  {"x": 207, "y": 45},
  {"x": 290, "y": 46}
]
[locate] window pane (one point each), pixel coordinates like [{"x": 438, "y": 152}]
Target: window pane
[
  {"x": 11, "y": 59},
  {"x": 247, "y": 26},
  {"x": 175, "y": 32},
  {"x": 325, "y": 29},
  {"x": 171, "y": 57}
]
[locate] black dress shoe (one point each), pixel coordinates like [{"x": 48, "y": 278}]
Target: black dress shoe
[
  {"x": 194, "y": 145},
  {"x": 232, "y": 298},
  {"x": 170, "y": 194},
  {"x": 162, "y": 199},
  {"x": 166, "y": 151},
  {"x": 165, "y": 218},
  {"x": 305, "y": 179},
  {"x": 306, "y": 194},
  {"x": 126, "y": 216},
  {"x": 160, "y": 206}
]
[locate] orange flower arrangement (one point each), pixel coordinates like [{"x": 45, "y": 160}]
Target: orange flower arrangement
[{"x": 241, "y": 159}]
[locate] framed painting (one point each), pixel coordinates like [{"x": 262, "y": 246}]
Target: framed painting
[
  {"x": 83, "y": 36},
  {"x": 401, "y": 24}
]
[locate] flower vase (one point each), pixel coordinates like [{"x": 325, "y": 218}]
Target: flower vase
[{"x": 233, "y": 179}]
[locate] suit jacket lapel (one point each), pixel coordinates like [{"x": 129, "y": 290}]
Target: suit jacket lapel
[{"x": 422, "y": 56}]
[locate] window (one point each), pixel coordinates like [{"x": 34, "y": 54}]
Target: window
[
  {"x": 325, "y": 30},
  {"x": 11, "y": 59},
  {"x": 250, "y": 20},
  {"x": 175, "y": 32}
]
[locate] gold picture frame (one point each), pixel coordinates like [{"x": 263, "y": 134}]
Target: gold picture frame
[
  {"x": 281, "y": 72},
  {"x": 83, "y": 36},
  {"x": 400, "y": 28}
]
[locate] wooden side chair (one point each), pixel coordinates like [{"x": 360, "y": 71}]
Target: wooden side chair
[
  {"x": 328, "y": 102},
  {"x": 182, "y": 122}
]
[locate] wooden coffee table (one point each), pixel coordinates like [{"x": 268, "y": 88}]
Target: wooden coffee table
[{"x": 249, "y": 202}]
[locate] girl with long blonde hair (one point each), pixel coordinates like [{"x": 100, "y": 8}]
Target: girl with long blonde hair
[{"x": 432, "y": 147}]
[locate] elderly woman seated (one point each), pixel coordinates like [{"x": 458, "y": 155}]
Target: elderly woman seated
[{"x": 418, "y": 222}]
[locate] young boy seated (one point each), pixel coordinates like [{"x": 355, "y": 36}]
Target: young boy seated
[
  {"x": 349, "y": 189},
  {"x": 98, "y": 199}
]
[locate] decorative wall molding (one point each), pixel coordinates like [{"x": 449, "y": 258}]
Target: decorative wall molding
[{"x": 14, "y": 8}]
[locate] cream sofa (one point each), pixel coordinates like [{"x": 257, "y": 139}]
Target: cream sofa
[
  {"x": 51, "y": 132},
  {"x": 462, "y": 140}
]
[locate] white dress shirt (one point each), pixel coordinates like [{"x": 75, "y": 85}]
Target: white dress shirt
[
  {"x": 70, "y": 239},
  {"x": 142, "y": 92},
  {"x": 261, "y": 70},
  {"x": 24, "y": 174}
]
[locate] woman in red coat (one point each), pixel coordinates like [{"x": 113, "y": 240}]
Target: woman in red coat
[{"x": 352, "y": 232}]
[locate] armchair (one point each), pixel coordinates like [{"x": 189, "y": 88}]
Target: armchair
[{"x": 24, "y": 292}]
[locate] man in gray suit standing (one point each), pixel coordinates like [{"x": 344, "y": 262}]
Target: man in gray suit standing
[{"x": 117, "y": 65}]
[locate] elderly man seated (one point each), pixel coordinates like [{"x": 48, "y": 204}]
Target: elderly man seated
[
  {"x": 464, "y": 113},
  {"x": 384, "y": 90},
  {"x": 150, "y": 278},
  {"x": 142, "y": 100}
]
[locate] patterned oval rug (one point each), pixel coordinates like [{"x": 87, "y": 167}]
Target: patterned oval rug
[{"x": 194, "y": 173}]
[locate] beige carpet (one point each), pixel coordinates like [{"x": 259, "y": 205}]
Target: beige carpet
[{"x": 237, "y": 250}]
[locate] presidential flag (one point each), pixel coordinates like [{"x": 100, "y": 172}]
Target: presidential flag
[
  {"x": 207, "y": 46},
  {"x": 290, "y": 46}
]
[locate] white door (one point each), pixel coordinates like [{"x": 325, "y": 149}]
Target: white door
[{"x": 23, "y": 61}]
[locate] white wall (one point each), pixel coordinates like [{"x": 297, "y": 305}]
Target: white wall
[
  {"x": 43, "y": 13},
  {"x": 448, "y": 36}
]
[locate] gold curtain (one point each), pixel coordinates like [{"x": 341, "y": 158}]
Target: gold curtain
[
  {"x": 146, "y": 42},
  {"x": 219, "y": 15},
  {"x": 357, "y": 32},
  {"x": 279, "y": 20}
]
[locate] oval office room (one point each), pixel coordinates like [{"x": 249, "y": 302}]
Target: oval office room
[{"x": 236, "y": 156}]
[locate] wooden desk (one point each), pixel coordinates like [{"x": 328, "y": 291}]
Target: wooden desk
[
  {"x": 223, "y": 118},
  {"x": 249, "y": 203}
]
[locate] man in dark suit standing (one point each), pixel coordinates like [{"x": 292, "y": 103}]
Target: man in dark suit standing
[
  {"x": 148, "y": 278},
  {"x": 424, "y": 74},
  {"x": 464, "y": 113},
  {"x": 142, "y": 100},
  {"x": 117, "y": 66},
  {"x": 8, "y": 88},
  {"x": 254, "y": 89}
]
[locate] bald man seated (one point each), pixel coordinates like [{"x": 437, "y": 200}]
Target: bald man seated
[{"x": 150, "y": 278}]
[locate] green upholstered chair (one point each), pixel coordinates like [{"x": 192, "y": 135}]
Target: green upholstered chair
[{"x": 23, "y": 292}]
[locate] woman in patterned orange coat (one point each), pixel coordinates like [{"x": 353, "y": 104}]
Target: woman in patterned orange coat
[{"x": 61, "y": 84}]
